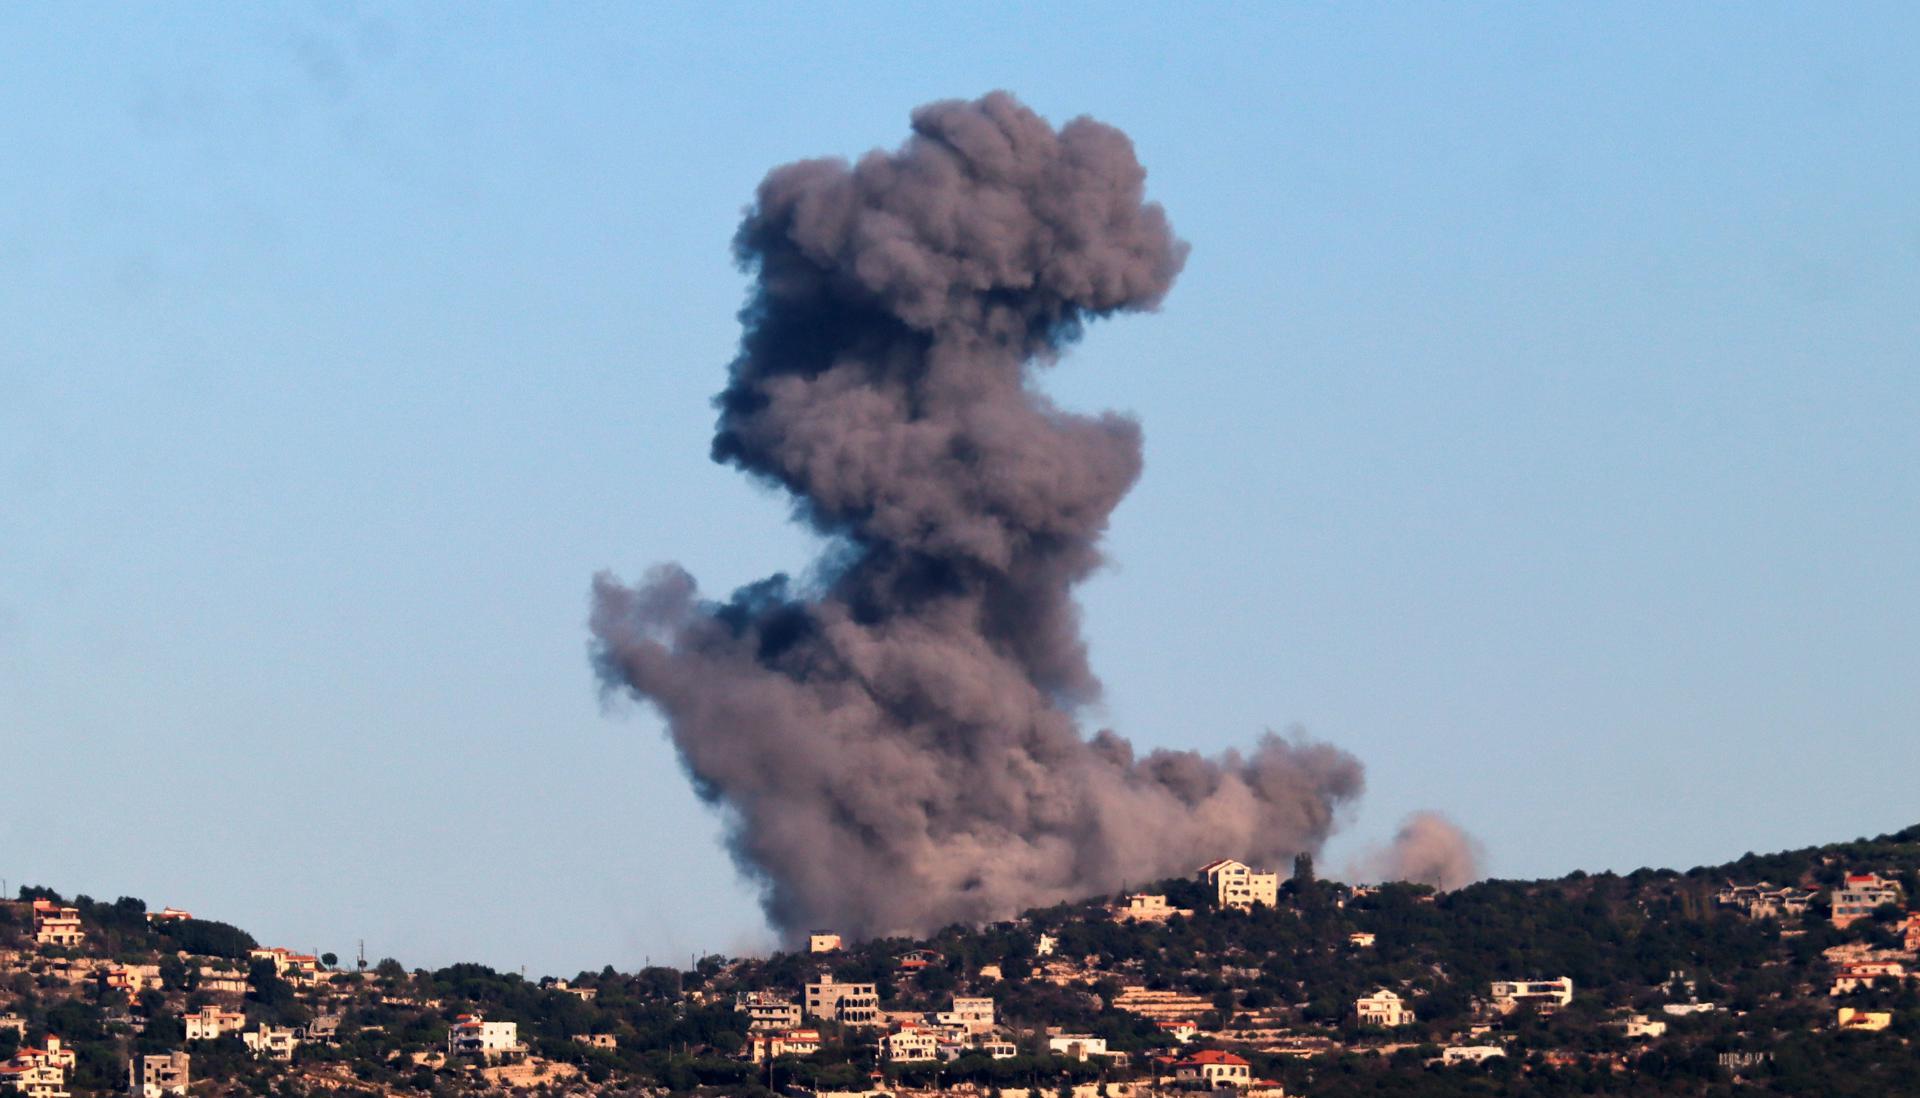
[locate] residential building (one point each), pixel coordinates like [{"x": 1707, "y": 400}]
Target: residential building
[
  {"x": 1470, "y": 1054},
  {"x": 775, "y": 1043},
  {"x": 273, "y": 1042},
  {"x": 1045, "y": 945},
  {"x": 1911, "y": 928},
  {"x": 1212, "y": 1069},
  {"x": 154, "y": 1076},
  {"x": 55, "y": 1054},
  {"x": 34, "y": 1080},
  {"x": 227, "y": 981},
  {"x": 1236, "y": 885},
  {"x": 1383, "y": 1008},
  {"x": 473, "y": 1035},
  {"x": 974, "y": 1015},
  {"x": 169, "y": 915},
  {"x": 1860, "y": 895},
  {"x": 600, "y": 1040},
  {"x": 1865, "y": 974},
  {"x": 767, "y": 1010},
  {"x": 1641, "y": 1026},
  {"x": 1181, "y": 1031},
  {"x": 915, "y": 959},
  {"x": 131, "y": 979},
  {"x": 1544, "y": 996},
  {"x": 54, "y": 925},
  {"x": 1864, "y": 1021},
  {"x": 1076, "y": 1046},
  {"x": 1763, "y": 901},
  {"x": 15, "y": 1023},
  {"x": 849, "y": 1004},
  {"x": 1147, "y": 907},
  {"x": 209, "y": 1023},
  {"x": 1682, "y": 1010},
  {"x": 822, "y": 941},
  {"x": 323, "y": 1028},
  {"x": 1361, "y": 939},
  {"x": 295, "y": 968},
  {"x": 998, "y": 1048},
  {"x": 909, "y": 1045}
]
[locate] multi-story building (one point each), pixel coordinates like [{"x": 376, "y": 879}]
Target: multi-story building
[
  {"x": 910, "y": 1045},
  {"x": 1763, "y": 901},
  {"x": 774, "y": 1043},
  {"x": 210, "y": 1023},
  {"x": 767, "y": 1010},
  {"x": 1383, "y": 1008},
  {"x": 54, "y": 925},
  {"x": 131, "y": 979},
  {"x": 851, "y": 1004},
  {"x": 1212, "y": 1069},
  {"x": 56, "y": 1054},
  {"x": 823, "y": 941},
  {"x": 273, "y": 1042},
  {"x": 1861, "y": 895},
  {"x": 1236, "y": 885},
  {"x": 295, "y": 968},
  {"x": 969, "y": 1014},
  {"x": 998, "y": 1048},
  {"x": 473, "y": 1035},
  {"x": 154, "y": 1076},
  {"x": 34, "y": 1080},
  {"x": 1544, "y": 996},
  {"x": 227, "y": 981},
  {"x": 169, "y": 915}
]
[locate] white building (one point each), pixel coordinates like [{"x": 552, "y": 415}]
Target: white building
[
  {"x": 1076, "y": 1046},
  {"x": 773, "y": 1044},
  {"x": 1470, "y": 1054},
  {"x": 1543, "y": 995},
  {"x": 210, "y": 1023},
  {"x": 154, "y": 1076},
  {"x": 275, "y": 1042},
  {"x": 473, "y": 1035},
  {"x": 910, "y": 1045},
  {"x": 1212, "y": 1069},
  {"x": 1641, "y": 1026},
  {"x": 1361, "y": 939},
  {"x": 1862, "y": 893},
  {"x": 767, "y": 1010},
  {"x": 974, "y": 1015},
  {"x": 1236, "y": 885},
  {"x": 848, "y": 1004},
  {"x": 1383, "y": 1008},
  {"x": 822, "y": 941},
  {"x": 999, "y": 1048}
]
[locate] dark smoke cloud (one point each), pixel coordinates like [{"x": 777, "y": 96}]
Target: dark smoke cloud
[
  {"x": 894, "y": 745},
  {"x": 1428, "y": 849}
]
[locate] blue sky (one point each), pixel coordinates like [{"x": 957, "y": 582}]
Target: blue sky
[{"x": 1535, "y": 418}]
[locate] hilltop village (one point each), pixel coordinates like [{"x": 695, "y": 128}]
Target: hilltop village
[{"x": 1793, "y": 973}]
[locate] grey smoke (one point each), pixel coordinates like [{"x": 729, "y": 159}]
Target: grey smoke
[
  {"x": 1428, "y": 849},
  {"x": 894, "y": 744}
]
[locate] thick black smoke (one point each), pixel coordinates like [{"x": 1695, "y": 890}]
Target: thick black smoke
[{"x": 896, "y": 748}]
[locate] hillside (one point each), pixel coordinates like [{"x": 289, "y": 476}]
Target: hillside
[{"x": 1720, "y": 980}]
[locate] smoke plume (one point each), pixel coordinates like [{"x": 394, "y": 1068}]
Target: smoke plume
[
  {"x": 1428, "y": 849},
  {"x": 893, "y": 744}
]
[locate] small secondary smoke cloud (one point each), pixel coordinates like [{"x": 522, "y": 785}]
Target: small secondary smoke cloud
[
  {"x": 894, "y": 744},
  {"x": 1428, "y": 849}
]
